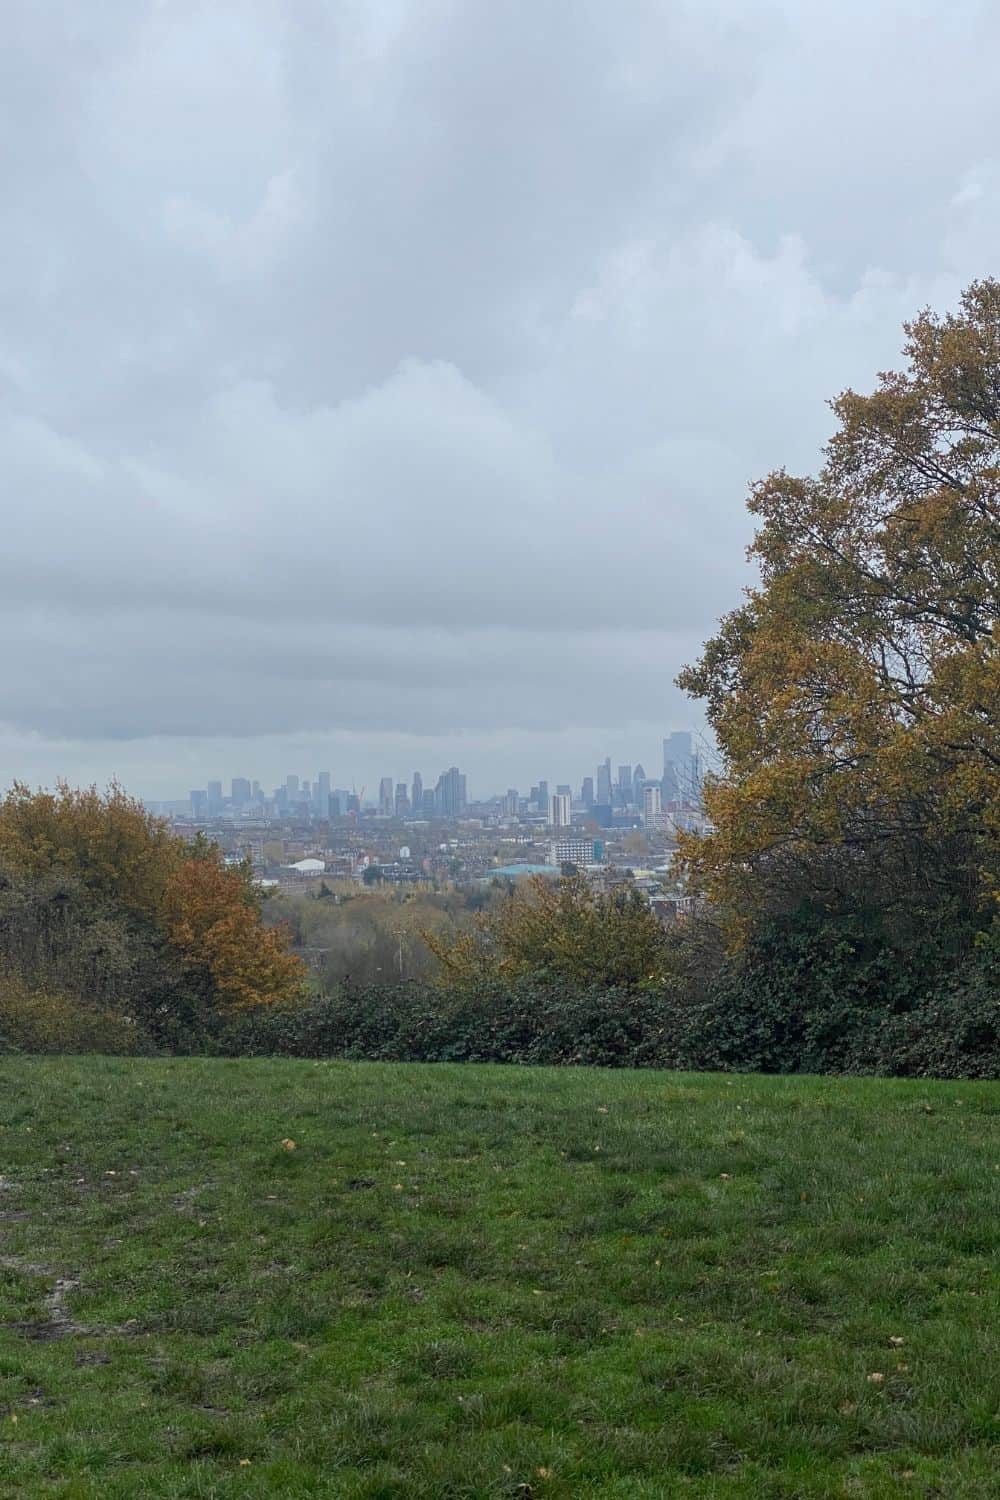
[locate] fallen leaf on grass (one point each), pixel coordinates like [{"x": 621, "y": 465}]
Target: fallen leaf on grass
[
  {"x": 876, "y": 1378},
  {"x": 289, "y": 1145},
  {"x": 896, "y": 1341}
]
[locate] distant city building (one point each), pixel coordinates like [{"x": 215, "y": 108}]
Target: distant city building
[
  {"x": 681, "y": 767},
  {"x": 427, "y": 802},
  {"x": 561, "y": 815},
  {"x": 625, "y": 782},
  {"x": 402, "y": 805},
  {"x": 587, "y": 791},
  {"x": 214, "y": 797},
  {"x": 417, "y": 794},
  {"x": 511, "y": 803},
  {"x": 543, "y": 798},
  {"x": 576, "y": 852},
  {"x": 292, "y": 788},
  {"x": 240, "y": 791},
  {"x": 321, "y": 794},
  {"x": 199, "y": 803},
  {"x": 449, "y": 795},
  {"x": 386, "y": 797},
  {"x": 604, "y": 783},
  {"x": 652, "y": 805}
]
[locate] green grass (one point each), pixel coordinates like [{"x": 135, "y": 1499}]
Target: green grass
[{"x": 493, "y": 1282}]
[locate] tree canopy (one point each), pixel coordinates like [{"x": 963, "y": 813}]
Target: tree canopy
[{"x": 854, "y": 695}]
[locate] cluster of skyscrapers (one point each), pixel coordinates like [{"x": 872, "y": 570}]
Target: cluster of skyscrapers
[
  {"x": 604, "y": 798},
  {"x": 303, "y": 799}
]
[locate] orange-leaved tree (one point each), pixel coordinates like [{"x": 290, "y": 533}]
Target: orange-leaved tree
[
  {"x": 213, "y": 920},
  {"x": 114, "y": 858},
  {"x": 855, "y": 695}
]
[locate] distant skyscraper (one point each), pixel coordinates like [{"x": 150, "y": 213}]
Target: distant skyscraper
[
  {"x": 255, "y": 792},
  {"x": 428, "y": 807},
  {"x": 651, "y": 804},
  {"x": 625, "y": 782},
  {"x": 199, "y": 802},
  {"x": 214, "y": 796},
  {"x": 292, "y": 787},
  {"x": 604, "y": 783},
  {"x": 511, "y": 803},
  {"x": 417, "y": 794},
  {"x": 402, "y": 807},
  {"x": 680, "y": 768},
  {"x": 449, "y": 796},
  {"x": 543, "y": 797},
  {"x": 587, "y": 791},
  {"x": 385, "y": 797},
  {"x": 321, "y": 794},
  {"x": 564, "y": 786},
  {"x": 240, "y": 791},
  {"x": 561, "y": 813}
]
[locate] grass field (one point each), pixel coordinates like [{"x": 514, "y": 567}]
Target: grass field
[{"x": 494, "y": 1282}]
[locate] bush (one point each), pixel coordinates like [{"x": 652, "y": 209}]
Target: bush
[
  {"x": 804, "y": 1001},
  {"x": 46, "y": 1021}
]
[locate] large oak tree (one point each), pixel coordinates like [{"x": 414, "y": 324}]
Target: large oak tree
[{"x": 855, "y": 693}]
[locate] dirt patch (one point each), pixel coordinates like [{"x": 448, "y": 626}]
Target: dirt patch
[{"x": 58, "y": 1324}]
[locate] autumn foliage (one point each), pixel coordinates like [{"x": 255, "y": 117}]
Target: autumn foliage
[
  {"x": 855, "y": 694},
  {"x": 558, "y": 931},
  {"x": 99, "y": 900},
  {"x": 212, "y": 918}
]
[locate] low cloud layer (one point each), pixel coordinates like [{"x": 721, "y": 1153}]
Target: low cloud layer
[{"x": 381, "y": 382}]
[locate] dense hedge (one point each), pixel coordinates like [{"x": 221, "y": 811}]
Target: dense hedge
[
  {"x": 802, "y": 997},
  {"x": 746, "y": 1022}
]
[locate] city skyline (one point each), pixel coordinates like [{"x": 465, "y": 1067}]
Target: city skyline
[{"x": 677, "y": 776}]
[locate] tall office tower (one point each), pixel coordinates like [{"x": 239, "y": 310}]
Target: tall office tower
[
  {"x": 199, "y": 803},
  {"x": 638, "y": 780},
  {"x": 214, "y": 796},
  {"x": 449, "y": 795},
  {"x": 564, "y": 786},
  {"x": 587, "y": 791},
  {"x": 511, "y": 803},
  {"x": 385, "y": 797},
  {"x": 677, "y": 765},
  {"x": 604, "y": 783},
  {"x": 402, "y": 804},
  {"x": 561, "y": 815},
  {"x": 240, "y": 791},
  {"x": 417, "y": 794},
  {"x": 543, "y": 797},
  {"x": 292, "y": 787},
  {"x": 429, "y": 805},
  {"x": 305, "y": 792},
  {"x": 255, "y": 792},
  {"x": 321, "y": 794},
  {"x": 651, "y": 804},
  {"x": 625, "y": 782}
]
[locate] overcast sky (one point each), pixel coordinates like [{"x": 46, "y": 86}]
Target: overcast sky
[{"x": 381, "y": 380}]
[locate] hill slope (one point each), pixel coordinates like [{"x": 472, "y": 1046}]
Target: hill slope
[{"x": 493, "y": 1282}]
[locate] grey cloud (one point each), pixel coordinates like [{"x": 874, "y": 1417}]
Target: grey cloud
[{"x": 398, "y": 370}]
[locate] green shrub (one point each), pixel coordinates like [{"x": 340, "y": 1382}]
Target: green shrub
[{"x": 46, "y": 1021}]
